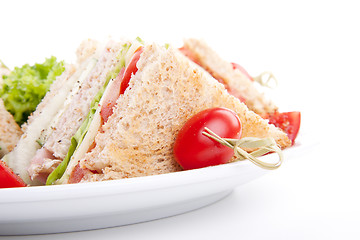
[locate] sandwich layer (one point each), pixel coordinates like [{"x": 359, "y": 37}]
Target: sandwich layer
[
  {"x": 101, "y": 108},
  {"x": 57, "y": 139},
  {"x": 49, "y": 129},
  {"x": 167, "y": 90}
]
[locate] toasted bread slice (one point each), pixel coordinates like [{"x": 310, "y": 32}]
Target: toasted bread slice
[
  {"x": 236, "y": 81},
  {"x": 167, "y": 90}
]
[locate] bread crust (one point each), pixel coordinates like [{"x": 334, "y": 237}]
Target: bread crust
[
  {"x": 166, "y": 91},
  {"x": 10, "y": 131},
  {"x": 239, "y": 84}
]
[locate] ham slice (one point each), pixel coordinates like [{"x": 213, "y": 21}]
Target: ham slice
[{"x": 42, "y": 164}]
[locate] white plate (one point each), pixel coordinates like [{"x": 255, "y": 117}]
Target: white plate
[{"x": 75, "y": 207}]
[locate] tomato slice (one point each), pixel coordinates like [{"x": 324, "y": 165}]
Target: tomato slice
[
  {"x": 130, "y": 70},
  {"x": 239, "y": 67},
  {"x": 192, "y": 149},
  {"x": 120, "y": 85},
  {"x": 8, "y": 179},
  {"x": 289, "y": 122},
  {"x": 112, "y": 96}
]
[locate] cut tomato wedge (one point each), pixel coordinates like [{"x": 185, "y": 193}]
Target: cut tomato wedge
[
  {"x": 289, "y": 122},
  {"x": 8, "y": 179},
  {"x": 130, "y": 70}
]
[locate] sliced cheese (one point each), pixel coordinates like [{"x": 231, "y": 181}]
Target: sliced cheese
[{"x": 88, "y": 139}]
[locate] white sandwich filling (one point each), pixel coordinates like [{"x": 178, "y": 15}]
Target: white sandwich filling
[
  {"x": 73, "y": 92},
  {"x": 88, "y": 140}
]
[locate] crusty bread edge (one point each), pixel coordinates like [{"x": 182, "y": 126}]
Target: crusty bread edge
[{"x": 233, "y": 78}]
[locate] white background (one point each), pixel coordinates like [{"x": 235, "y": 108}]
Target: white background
[{"x": 313, "y": 49}]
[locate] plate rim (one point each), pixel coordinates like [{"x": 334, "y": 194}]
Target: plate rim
[{"x": 135, "y": 184}]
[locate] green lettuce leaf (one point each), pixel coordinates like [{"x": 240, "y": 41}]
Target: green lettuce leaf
[{"x": 25, "y": 86}]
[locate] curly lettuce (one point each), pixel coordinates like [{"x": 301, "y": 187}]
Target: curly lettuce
[{"x": 23, "y": 89}]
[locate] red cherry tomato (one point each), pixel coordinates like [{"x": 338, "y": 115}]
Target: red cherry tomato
[
  {"x": 192, "y": 149},
  {"x": 289, "y": 122},
  {"x": 131, "y": 69},
  {"x": 237, "y": 66},
  {"x": 8, "y": 178}
]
